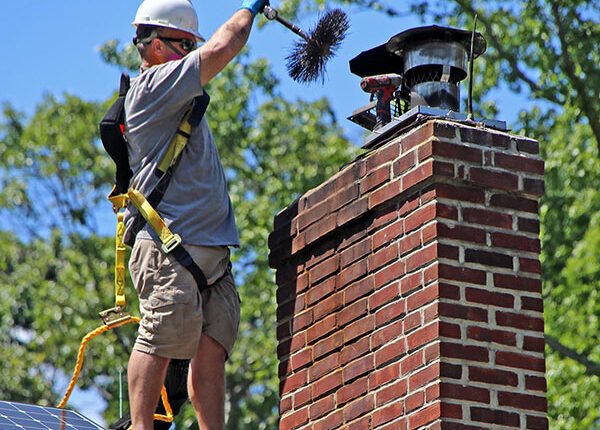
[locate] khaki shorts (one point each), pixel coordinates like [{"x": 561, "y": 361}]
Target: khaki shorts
[{"x": 173, "y": 313}]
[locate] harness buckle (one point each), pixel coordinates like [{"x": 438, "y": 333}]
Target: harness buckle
[
  {"x": 114, "y": 315},
  {"x": 171, "y": 243}
]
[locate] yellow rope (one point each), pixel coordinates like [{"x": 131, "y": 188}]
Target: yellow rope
[{"x": 80, "y": 355}]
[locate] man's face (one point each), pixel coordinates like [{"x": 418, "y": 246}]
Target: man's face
[{"x": 174, "y": 44}]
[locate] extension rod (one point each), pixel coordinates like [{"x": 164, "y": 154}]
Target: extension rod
[{"x": 272, "y": 14}]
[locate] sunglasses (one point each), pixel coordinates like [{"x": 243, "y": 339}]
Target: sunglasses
[{"x": 188, "y": 45}]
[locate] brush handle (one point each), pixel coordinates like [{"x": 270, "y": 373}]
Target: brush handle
[{"x": 272, "y": 14}]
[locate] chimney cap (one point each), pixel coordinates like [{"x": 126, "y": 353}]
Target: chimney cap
[{"x": 389, "y": 57}]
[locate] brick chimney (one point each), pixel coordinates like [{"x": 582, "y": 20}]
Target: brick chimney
[{"x": 409, "y": 288}]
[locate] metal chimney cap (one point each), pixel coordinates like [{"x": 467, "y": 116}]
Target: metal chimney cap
[
  {"x": 404, "y": 41},
  {"x": 389, "y": 57}
]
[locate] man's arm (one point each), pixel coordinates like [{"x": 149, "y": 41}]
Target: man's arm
[{"x": 227, "y": 41}]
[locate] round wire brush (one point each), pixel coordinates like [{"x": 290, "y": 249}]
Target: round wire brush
[{"x": 306, "y": 62}]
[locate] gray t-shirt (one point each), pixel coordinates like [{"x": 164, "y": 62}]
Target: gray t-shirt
[{"x": 196, "y": 204}]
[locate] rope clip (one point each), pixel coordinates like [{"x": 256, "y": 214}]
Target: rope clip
[{"x": 114, "y": 316}]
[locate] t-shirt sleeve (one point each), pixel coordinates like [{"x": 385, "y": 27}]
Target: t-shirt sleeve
[{"x": 170, "y": 87}]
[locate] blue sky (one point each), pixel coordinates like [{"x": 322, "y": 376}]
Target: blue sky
[{"x": 52, "y": 47}]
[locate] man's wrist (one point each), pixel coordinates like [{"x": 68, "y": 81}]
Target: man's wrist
[{"x": 248, "y": 8}]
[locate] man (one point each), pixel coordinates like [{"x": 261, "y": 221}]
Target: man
[{"x": 179, "y": 322}]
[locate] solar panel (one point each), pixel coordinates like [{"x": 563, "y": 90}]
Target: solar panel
[{"x": 21, "y": 416}]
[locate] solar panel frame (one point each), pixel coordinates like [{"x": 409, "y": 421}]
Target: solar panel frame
[{"x": 23, "y": 416}]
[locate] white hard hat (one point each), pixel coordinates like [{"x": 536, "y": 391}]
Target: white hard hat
[{"x": 175, "y": 14}]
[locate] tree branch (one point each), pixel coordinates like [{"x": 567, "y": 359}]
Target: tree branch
[
  {"x": 591, "y": 367},
  {"x": 586, "y": 103},
  {"x": 506, "y": 54}
]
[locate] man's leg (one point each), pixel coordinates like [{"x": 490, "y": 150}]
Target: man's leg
[
  {"x": 145, "y": 375},
  {"x": 206, "y": 384}
]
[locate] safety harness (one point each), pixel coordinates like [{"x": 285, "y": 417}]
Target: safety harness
[{"x": 112, "y": 135}]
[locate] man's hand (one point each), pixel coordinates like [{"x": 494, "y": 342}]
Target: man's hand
[{"x": 254, "y": 6}]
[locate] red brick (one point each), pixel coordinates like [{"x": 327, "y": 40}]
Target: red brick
[
  {"x": 352, "y": 273},
  {"x": 353, "y": 253},
  {"x": 295, "y": 419},
  {"x": 353, "y": 312},
  {"x": 411, "y": 282},
  {"x": 457, "y": 311},
  {"x": 352, "y": 391},
  {"x": 301, "y": 321},
  {"x": 321, "y": 407},
  {"x": 450, "y": 330},
  {"x": 318, "y": 194},
  {"x": 319, "y": 291},
  {"x": 487, "y": 335},
  {"x": 537, "y": 423},
  {"x": 383, "y": 296},
  {"x": 519, "y": 243},
  {"x": 353, "y": 211},
  {"x": 354, "y": 350},
  {"x": 318, "y": 230},
  {"x": 326, "y": 346},
  {"x": 414, "y": 400},
  {"x": 494, "y": 179},
  {"x": 358, "y": 407},
  {"x": 412, "y": 362},
  {"x": 285, "y": 405},
  {"x": 384, "y": 194},
  {"x": 301, "y": 359},
  {"x": 488, "y": 258},
  {"x": 493, "y": 376},
  {"x": 383, "y": 155},
  {"x": 390, "y": 313},
  {"x": 487, "y": 297},
  {"x": 387, "y": 334},
  {"x": 487, "y": 217},
  {"x": 390, "y": 352},
  {"x": 312, "y": 215},
  {"x": 520, "y": 361},
  {"x": 425, "y": 376},
  {"x": 410, "y": 242},
  {"x": 359, "y": 328},
  {"x": 382, "y": 257},
  {"x": 423, "y": 336},
  {"x": 453, "y": 192},
  {"x": 375, "y": 178},
  {"x": 422, "y": 297},
  {"x": 394, "y": 391},
  {"x": 331, "y": 422},
  {"x": 342, "y": 197},
  {"x": 302, "y": 397},
  {"x": 390, "y": 273},
  {"x": 522, "y": 401},
  {"x": 535, "y": 344},
  {"x": 465, "y": 352},
  {"x": 443, "y": 169},
  {"x": 359, "y": 289},
  {"x": 428, "y": 233},
  {"x": 452, "y": 371},
  {"x": 535, "y": 383},
  {"x": 412, "y": 321},
  {"x": 518, "y": 283},
  {"x": 459, "y": 232},
  {"x": 527, "y": 145},
  {"x": 358, "y": 368},
  {"x": 422, "y": 257},
  {"x": 462, "y": 274},
  {"x": 516, "y": 162},
  {"x": 462, "y": 392},
  {"x": 529, "y": 225},
  {"x": 405, "y": 163},
  {"x": 417, "y": 175},
  {"x": 518, "y": 320},
  {"x": 388, "y": 413},
  {"x": 495, "y": 416},
  {"x": 293, "y": 382},
  {"x": 381, "y": 377},
  {"x": 327, "y": 306},
  {"x": 323, "y": 367},
  {"x": 533, "y": 186},
  {"x": 514, "y": 202},
  {"x": 327, "y": 384},
  {"x": 389, "y": 233},
  {"x": 446, "y": 211},
  {"x": 420, "y": 217},
  {"x": 424, "y": 416},
  {"x": 457, "y": 152},
  {"x": 451, "y": 410}
]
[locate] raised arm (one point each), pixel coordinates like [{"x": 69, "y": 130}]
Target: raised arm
[{"x": 228, "y": 40}]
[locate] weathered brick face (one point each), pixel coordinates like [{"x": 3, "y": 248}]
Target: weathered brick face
[{"x": 409, "y": 288}]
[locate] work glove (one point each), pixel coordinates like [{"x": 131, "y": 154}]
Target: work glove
[{"x": 254, "y": 6}]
